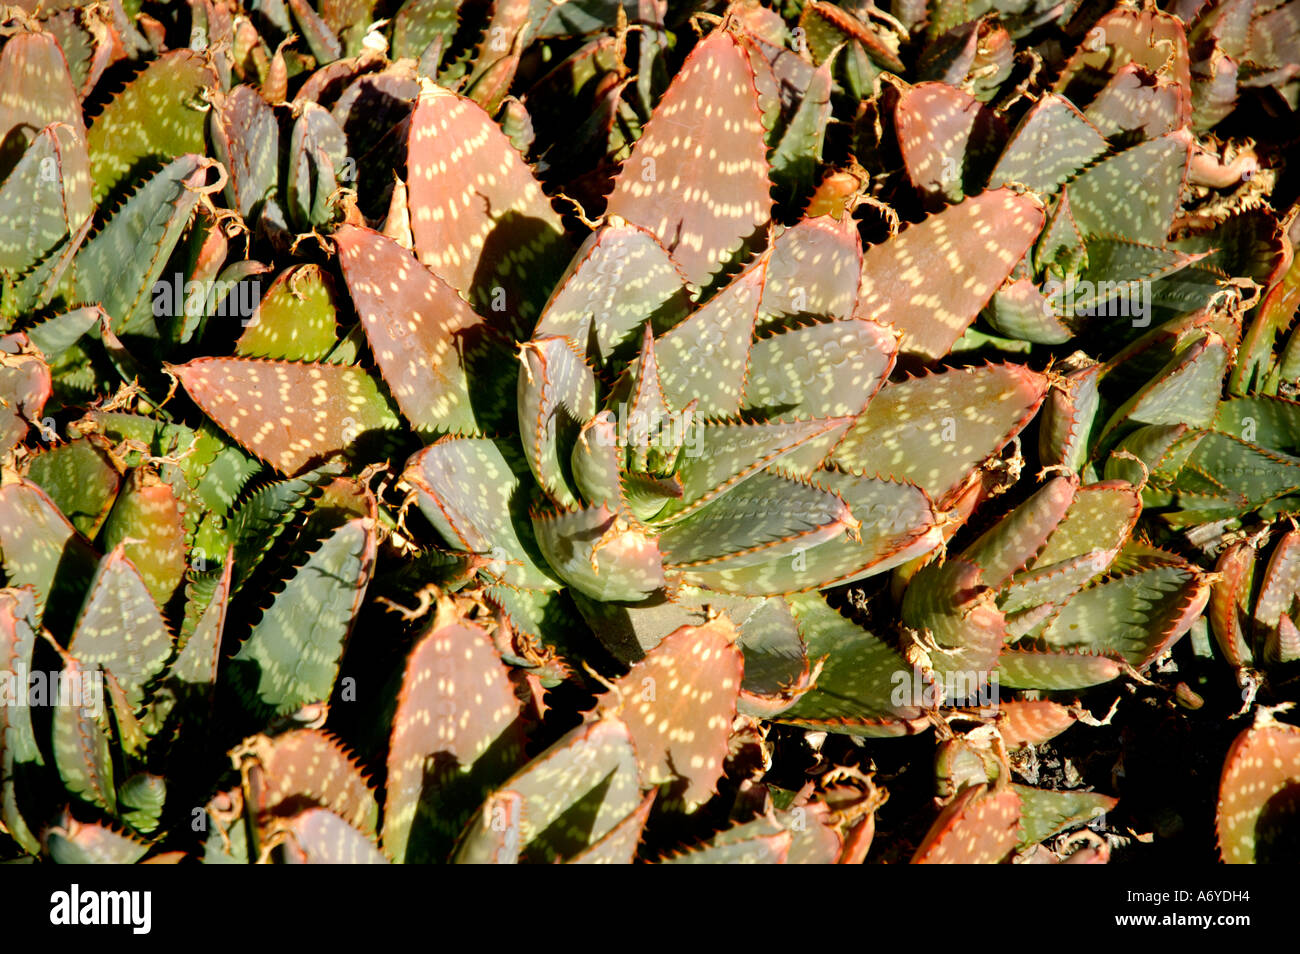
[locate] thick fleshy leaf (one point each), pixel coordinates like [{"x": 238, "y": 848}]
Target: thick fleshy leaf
[
  {"x": 1068, "y": 415},
  {"x": 1139, "y": 615},
  {"x": 456, "y": 702},
  {"x": 978, "y": 827},
  {"x": 119, "y": 267},
  {"x": 320, "y": 37},
  {"x": 1019, "y": 310},
  {"x": 40, "y": 284},
  {"x": 952, "y": 604},
  {"x": 39, "y": 545},
  {"x": 1229, "y": 605},
  {"x": 317, "y": 836},
  {"x": 678, "y": 704},
  {"x": 1269, "y": 421},
  {"x": 44, "y": 199},
  {"x": 596, "y": 462},
  {"x": 81, "y": 736},
  {"x": 1138, "y": 101},
  {"x": 768, "y": 517},
  {"x": 480, "y": 220},
  {"x": 317, "y": 158},
  {"x": 262, "y": 516},
  {"x": 797, "y": 156},
  {"x": 147, "y": 520},
  {"x": 25, "y": 387},
  {"x": 1281, "y": 585},
  {"x": 19, "y": 751},
  {"x": 1044, "y": 813},
  {"x": 296, "y": 319},
  {"x": 1032, "y": 722},
  {"x": 1186, "y": 391},
  {"x": 1060, "y": 249},
  {"x": 120, "y": 628},
  {"x": 932, "y": 279},
  {"x": 494, "y": 838},
  {"x": 698, "y": 176},
  {"x": 569, "y": 797},
  {"x": 38, "y": 91},
  {"x": 813, "y": 272},
  {"x": 620, "y": 279},
  {"x": 245, "y": 138},
  {"x": 292, "y": 656},
  {"x": 1100, "y": 517},
  {"x": 420, "y": 23},
  {"x": 600, "y": 553},
  {"x": 557, "y": 394},
  {"x": 1113, "y": 282},
  {"x": 827, "y": 25},
  {"x": 896, "y": 522},
  {"x": 160, "y": 115},
  {"x": 1150, "y": 37},
  {"x": 725, "y": 455},
  {"x": 424, "y": 336},
  {"x": 717, "y": 336},
  {"x": 72, "y": 842},
  {"x": 81, "y": 481},
  {"x": 1051, "y": 144},
  {"x": 935, "y": 430},
  {"x": 856, "y": 690},
  {"x": 1011, "y": 543},
  {"x": 777, "y": 669},
  {"x": 1041, "y": 669},
  {"x": 288, "y": 414},
  {"x": 830, "y": 369},
  {"x": 619, "y": 845},
  {"x": 1241, "y": 475},
  {"x": 942, "y": 131},
  {"x": 199, "y": 655},
  {"x": 1258, "y": 793},
  {"x": 760, "y": 842},
  {"x": 285, "y": 773},
  {"x": 1133, "y": 194},
  {"x": 471, "y": 494}
]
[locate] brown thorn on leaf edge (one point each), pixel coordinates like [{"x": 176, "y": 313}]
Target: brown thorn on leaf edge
[
  {"x": 580, "y": 212},
  {"x": 428, "y": 595},
  {"x": 1022, "y": 88},
  {"x": 612, "y": 687}
]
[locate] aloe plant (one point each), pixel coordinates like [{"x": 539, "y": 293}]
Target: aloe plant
[{"x": 497, "y": 433}]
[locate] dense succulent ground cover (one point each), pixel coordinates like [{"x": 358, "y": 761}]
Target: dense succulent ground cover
[{"x": 606, "y": 432}]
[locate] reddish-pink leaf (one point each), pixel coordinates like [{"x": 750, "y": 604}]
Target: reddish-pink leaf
[
  {"x": 148, "y": 521},
  {"x": 679, "y": 702},
  {"x": 1229, "y": 605},
  {"x": 479, "y": 218},
  {"x": 418, "y": 327},
  {"x": 285, "y": 773},
  {"x": 619, "y": 845},
  {"x": 932, "y": 279},
  {"x": 940, "y": 130},
  {"x": 1032, "y": 723},
  {"x": 38, "y": 91},
  {"x": 1259, "y": 793},
  {"x": 288, "y": 414},
  {"x": 697, "y": 177},
  {"x": 978, "y": 827},
  {"x": 456, "y": 700}
]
